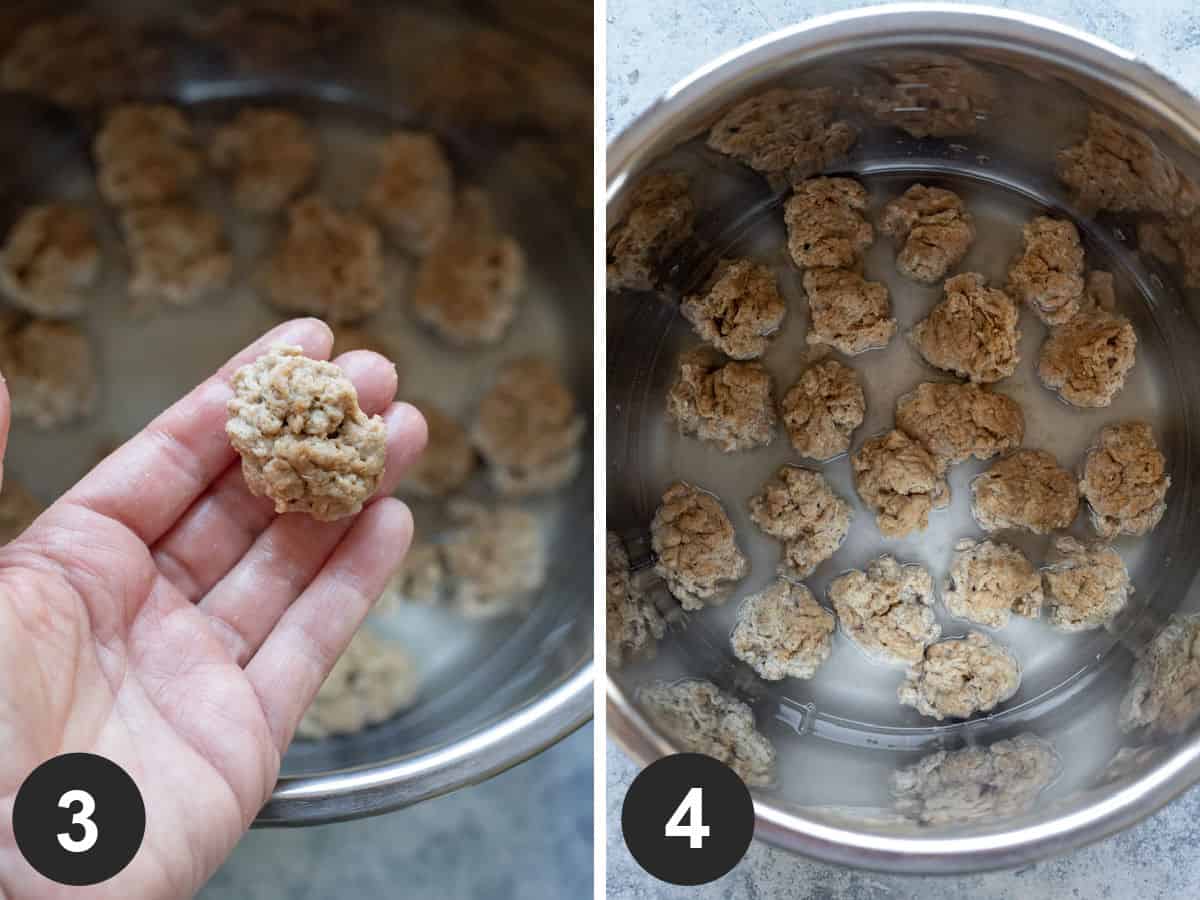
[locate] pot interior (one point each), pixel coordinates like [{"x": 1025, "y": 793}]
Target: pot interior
[
  {"x": 848, "y": 754},
  {"x": 356, "y": 76}
]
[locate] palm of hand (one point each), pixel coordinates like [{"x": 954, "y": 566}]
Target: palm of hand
[
  {"x": 144, "y": 690},
  {"x": 177, "y": 638}
]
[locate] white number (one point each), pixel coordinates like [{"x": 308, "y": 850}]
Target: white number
[
  {"x": 91, "y": 833},
  {"x": 692, "y": 809}
]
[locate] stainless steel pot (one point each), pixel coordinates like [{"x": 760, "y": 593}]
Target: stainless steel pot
[
  {"x": 840, "y": 745},
  {"x": 508, "y": 101}
]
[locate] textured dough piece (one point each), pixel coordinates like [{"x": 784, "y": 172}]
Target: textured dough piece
[
  {"x": 730, "y": 404},
  {"x": 955, "y": 422},
  {"x": 1125, "y": 481},
  {"x": 146, "y": 155},
  {"x": 702, "y": 718},
  {"x": 936, "y": 230},
  {"x": 696, "y": 549},
  {"x": 633, "y": 624},
  {"x": 660, "y": 220},
  {"x": 783, "y": 632},
  {"x": 1099, "y": 292},
  {"x": 563, "y": 165},
  {"x": 1028, "y": 490},
  {"x": 825, "y": 223},
  {"x": 494, "y": 78},
  {"x": 495, "y": 558},
  {"x": 798, "y": 507},
  {"x": 976, "y": 783},
  {"x": 179, "y": 253},
  {"x": 973, "y": 332},
  {"x": 887, "y": 610},
  {"x": 1160, "y": 239},
  {"x": 1087, "y": 359},
  {"x": 1127, "y": 762},
  {"x": 329, "y": 264},
  {"x": 785, "y": 134},
  {"x": 959, "y": 677},
  {"x": 448, "y": 461},
  {"x": 900, "y": 481},
  {"x": 18, "y": 509},
  {"x": 303, "y": 439},
  {"x": 1164, "y": 689},
  {"x": 49, "y": 369},
  {"x": 738, "y": 308},
  {"x": 371, "y": 682},
  {"x": 77, "y": 61},
  {"x": 931, "y": 95},
  {"x": 1086, "y": 586},
  {"x": 528, "y": 430},
  {"x": 50, "y": 260},
  {"x": 488, "y": 565},
  {"x": 848, "y": 312},
  {"x": 989, "y": 581},
  {"x": 421, "y": 580},
  {"x": 822, "y": 410},
  {"x": 412, "y": 196},
  {"x": 271, "y": 155},
  {"x": 469, "y": 285},
  {"x": 1048, "y": 275},
  {"x": 1176, "y": 241},
  {"x": 1119, "y": 169}
]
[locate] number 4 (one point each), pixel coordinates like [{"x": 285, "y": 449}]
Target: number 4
[{"x": 692, "y": 809}]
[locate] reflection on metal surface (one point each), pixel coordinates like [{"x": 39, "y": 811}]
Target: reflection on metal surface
[
  {"x": 702, "y": 718},
  {"x": 931, "y": 95},
  {"x": 1001, "y": 779},
  {"x": 1164, "y": 689}
]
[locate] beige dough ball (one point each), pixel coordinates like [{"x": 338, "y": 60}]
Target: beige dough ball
[{"x": 303, "y": 440}]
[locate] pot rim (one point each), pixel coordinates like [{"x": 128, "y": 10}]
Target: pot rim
[
  {"x": 1020, "y": 845},
  {"x": 387, "y": 786},
  {"x": 711, "y": 87}
]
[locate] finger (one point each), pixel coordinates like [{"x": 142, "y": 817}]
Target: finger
[
  {"x": 376, "y": 384},
  {"x": 148, "y": 483},
  {"x": 218, "y": 529},
  {"x": 289, "y": 554},
  {"x": 297, "y": 655}
]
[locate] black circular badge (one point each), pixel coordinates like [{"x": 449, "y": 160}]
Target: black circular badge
[
  {"x": 79, "y": 819},
  {"x": 688, "y": 819}
]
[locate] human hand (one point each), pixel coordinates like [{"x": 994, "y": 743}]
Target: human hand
[{"x": 159, "y": 615}]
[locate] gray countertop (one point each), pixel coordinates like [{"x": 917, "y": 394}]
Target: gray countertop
[
  {"x": 650, "y": 46},
  {"x": 524, "y": 835}
]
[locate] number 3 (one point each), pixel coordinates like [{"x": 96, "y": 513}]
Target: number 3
[
  {"x": 692, "y": 808},
  {"x": 91, "y": 833}
]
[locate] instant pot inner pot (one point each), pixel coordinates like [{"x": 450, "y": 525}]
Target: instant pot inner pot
[
  {"x": 842, "y": 737},
  {"x": 363, "y": 83}
]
